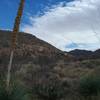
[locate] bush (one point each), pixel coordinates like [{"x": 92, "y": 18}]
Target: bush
[
  {"x": 16, "y": 92},
  {"x": 89, "y": 86},
  {"x": 50, "y": 89}
]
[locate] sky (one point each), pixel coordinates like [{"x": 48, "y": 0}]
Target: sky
[{"x": 66, "y": 24}]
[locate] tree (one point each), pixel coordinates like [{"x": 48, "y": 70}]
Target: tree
[
  {"x": 14, "y": 38},
  {"x": 89, "y": 86}
]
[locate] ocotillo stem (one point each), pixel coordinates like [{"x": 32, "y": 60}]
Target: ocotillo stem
[{"x": 9, "y": 69}]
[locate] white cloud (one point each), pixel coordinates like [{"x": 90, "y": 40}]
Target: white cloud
[{"x": 75, "y": 21}]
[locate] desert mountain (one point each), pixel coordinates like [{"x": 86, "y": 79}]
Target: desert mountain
[
  {"x": 85, "y": 54},
  {"x": 36, "y": 62},
  {"x": 29, "y": 49}
]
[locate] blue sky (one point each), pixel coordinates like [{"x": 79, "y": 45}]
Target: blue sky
[
  {"x": 8, "y": 10},
  {"x": 66, "y": 24}
]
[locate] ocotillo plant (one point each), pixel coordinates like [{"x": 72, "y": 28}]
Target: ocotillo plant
[{"x": 14, "y": 38}]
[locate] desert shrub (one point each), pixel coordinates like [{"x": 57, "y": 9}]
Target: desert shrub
[
  {"x": 50, "y": 89},
  {"x": 0, "y": 61},
  {"x": 45, "y": 83},
  {"x": 89, "y": 86},
  {"x": 90, "y": 63},
  {"x": 16, "y": 92},
  {"x": 44, "y": 60}
]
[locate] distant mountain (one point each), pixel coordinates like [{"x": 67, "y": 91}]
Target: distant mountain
[
  {"x": 81, "y": 54},
  {"x": 96, "y": 54},
  {"x": 85, "y": 54}
]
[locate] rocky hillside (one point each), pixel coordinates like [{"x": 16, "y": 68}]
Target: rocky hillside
[
  {"x": 36, "y": 64},
  {"x": 30, "y": 49}
]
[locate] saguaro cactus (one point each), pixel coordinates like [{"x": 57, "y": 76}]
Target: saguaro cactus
[{"x": 14, "y": 38}]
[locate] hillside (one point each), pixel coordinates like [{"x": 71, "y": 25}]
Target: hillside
[
  {"x": 37, "y": 63},
  {"x": 29, "y": 49}
]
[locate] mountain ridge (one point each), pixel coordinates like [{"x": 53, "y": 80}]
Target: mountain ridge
[{"x": 30, "y": 45}]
